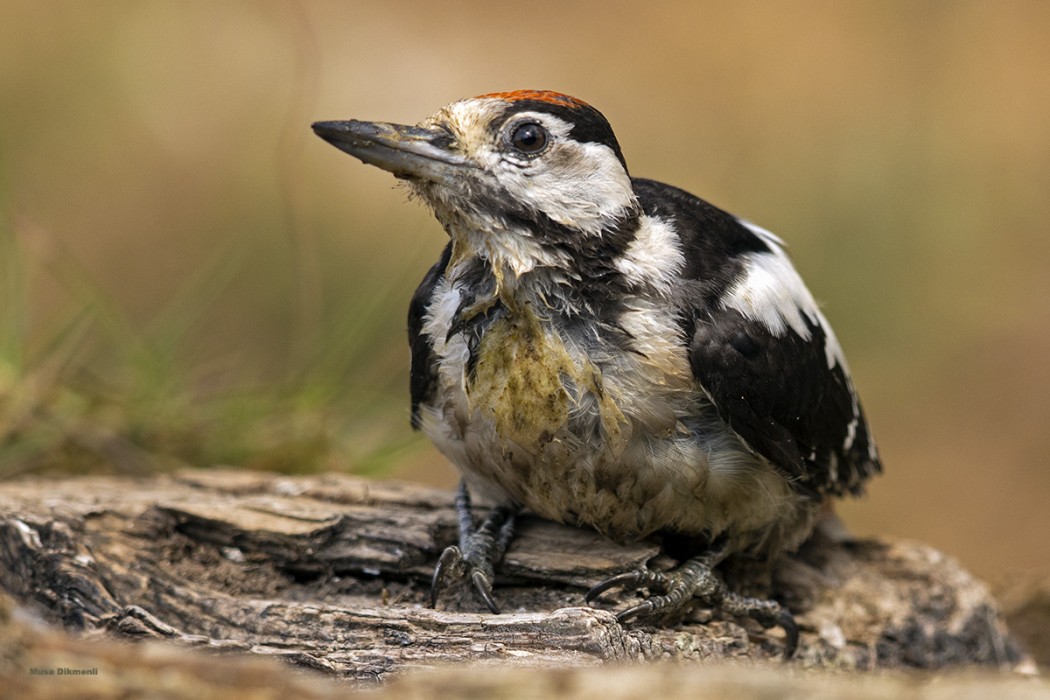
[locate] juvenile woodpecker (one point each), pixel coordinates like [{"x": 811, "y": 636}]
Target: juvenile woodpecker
[{"x": 613, "y": 352}]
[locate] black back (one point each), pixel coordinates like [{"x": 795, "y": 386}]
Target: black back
[{"x": 776, "y": 392}]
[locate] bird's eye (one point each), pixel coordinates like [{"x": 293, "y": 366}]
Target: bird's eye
[{"x": 529, "y": 139}]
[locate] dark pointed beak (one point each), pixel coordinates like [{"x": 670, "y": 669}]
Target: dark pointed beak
[{"x": 406, "y": 151}]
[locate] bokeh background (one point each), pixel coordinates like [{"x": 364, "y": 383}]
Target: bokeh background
[{"x": 187, "y": 275}]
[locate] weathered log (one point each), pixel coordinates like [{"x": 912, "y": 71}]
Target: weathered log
[
  {"x": 37, "y": 663},
  {"x": 331, "y": 573}
]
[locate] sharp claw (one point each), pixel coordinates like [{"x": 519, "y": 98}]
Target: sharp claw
[
  {"x": 780, "y": 617},
  {"x": 696, "y": 579},
  {"x": 643, "y": 608},
  {"x": 448, "y": 559},
  {"x": 790, "y": 627},
  {"x": 632, "y": 579},
  {"x": 480, "y": 549},
  {"x": 484, "y": 589}
]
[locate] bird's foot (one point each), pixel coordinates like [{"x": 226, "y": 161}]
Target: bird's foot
[
  {"x": 696, "y": 579},
  {"x": 478, "y": 552},
  {"x": 454, "y": 565}
]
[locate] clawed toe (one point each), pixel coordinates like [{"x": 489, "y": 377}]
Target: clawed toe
[
  {"x": 479, "y": 551},
  {"x": 483, "y": 587},
  {"x": 449, "y": 564},
  {"x": 643, "y": 609},
  {"x": 453, "y": 565},
  {"x": 631, "y": 580},
  {"x": 786, "y": 622},
  {"x": 695, "y": 579}
]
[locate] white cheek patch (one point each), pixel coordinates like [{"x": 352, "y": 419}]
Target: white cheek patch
[{"x": 579, "y": 185}]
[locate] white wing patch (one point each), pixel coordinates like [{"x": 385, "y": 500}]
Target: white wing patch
[{"x": 771, "y": 292}]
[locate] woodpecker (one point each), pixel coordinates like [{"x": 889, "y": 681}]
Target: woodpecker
[{"x": 613, "y": 352}]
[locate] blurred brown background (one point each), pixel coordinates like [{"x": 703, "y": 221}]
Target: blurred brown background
[{"x": 186, "y": 271}]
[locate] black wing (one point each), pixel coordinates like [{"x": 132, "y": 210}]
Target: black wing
[
  {"x": 780, "y": 396},
  {"x": 423, "y": 378},
  {"x": 775, "y": 390}
]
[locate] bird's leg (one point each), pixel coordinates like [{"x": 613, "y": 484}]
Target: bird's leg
[
  {"x": 479, "y": 550},
  {"x": 695, "y": 578}
]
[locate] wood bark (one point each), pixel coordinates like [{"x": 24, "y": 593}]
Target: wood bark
[{"x": 332, "y": 573}]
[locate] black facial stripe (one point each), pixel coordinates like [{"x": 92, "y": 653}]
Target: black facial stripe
[
  {"x": 588, "y": 124},
  {"x": 593, "y": 255}
]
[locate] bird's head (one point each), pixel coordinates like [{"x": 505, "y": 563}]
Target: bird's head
[{"x": 530, "y": 175}]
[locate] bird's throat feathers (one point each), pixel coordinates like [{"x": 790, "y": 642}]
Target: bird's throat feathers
[
  {"x": 529, "y": 259},
  {"x": 513, "y": 259}
]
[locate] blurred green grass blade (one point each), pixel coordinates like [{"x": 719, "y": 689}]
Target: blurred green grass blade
[{"x": 13, "y": 311}]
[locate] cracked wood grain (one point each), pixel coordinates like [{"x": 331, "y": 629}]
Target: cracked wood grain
[{"x": 331, "y": 573}]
